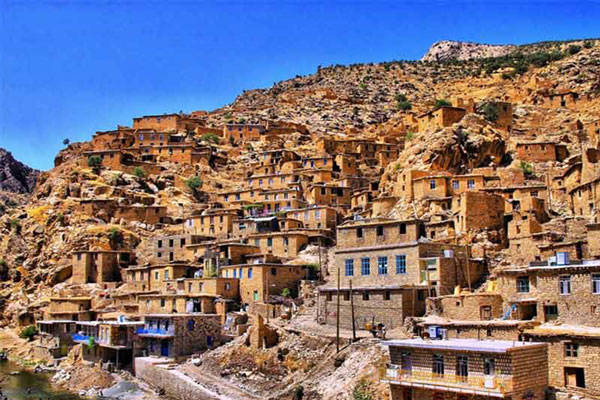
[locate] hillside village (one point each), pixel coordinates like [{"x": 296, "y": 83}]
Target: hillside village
[{"x": 402, "y": 230}]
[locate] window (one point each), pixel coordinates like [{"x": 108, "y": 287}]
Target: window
[
  {"x": 235, "y": 273},
  {"x": 401, "y": 264},
  {"x": 489, "y": 366},
  {"x": 462, "y": 367},
  {"x": 523, "y": 284},
  {"x": 249, "y": 273},
  {"x": 166, "y": 274},
  {"x": 365, "y": 266},
  {"x": 571, "y": 349},
  {"x": 349, "y": 267},
  {"x": 365, "y": 295},
  {"x": 273, "y": 271},
  {"x": 156, "y": 276},
  {"x": 270, "y": 242},
  {"x": 564, "y": 284},
  {"x": 470, "y": 184},
  {"x": 432, "y": 184},
  {"x": 182, "y": 242},
  {"x": 359, "y": 232},
  {"x": 438, "y": 364},
  {"x": 387, "y": 295},
  {"x": 380, "y": 230},
  {"x": 162, "y": 302},
  {"x": 455, "y": 185},
  {"x": 191, "y": 323},
  {"x": 596, "y": 283},
  {"x": 402, "y": 229},
  {"x": 382, "y": 265},
  {"x": 329, "y": 296}
]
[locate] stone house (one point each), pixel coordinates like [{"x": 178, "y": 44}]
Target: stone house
[
  {"x": 164, "y": 123},
  {"x": 172, "y": 302},
  {"x": 55, "y": 339},
  {"x": 440, "y": 117},
  {"x": 178, "y": 335},
  {"x": 558, "y": 290},
  {"x": 142, "y": 213},
  {"x": 565, "y": 99},
  {"x": 315, "y": 216},
  {"x": 227, "y": 288},
  {"x": 251, "y": 225},
  {"x": 259, "y": 281},
  {"x": 151, "y": 277},
  {"x": 382, "y": 205},
  {"x": 172, "y": 248},
  {"x": 281, "y": 244},
  {"x": 593, "y": 132},
  {"x": 235, "y": 133},
  {"x": 541, "y": 151},
  {"x": 524, "y": 199},
  {"x": 593, "y": 239},
  {"x": 466, "y": 369},
  {"x": 478, "y": 210},
  {"x": 585, "y": 198},
  {"x": 227, "y": 253},
  {"x": 480, "y": 306},
  {"x": 328, "y": 195},
  {"x": 112, "y": 140},
  {"x": 238, "y": 197},
  {"x": 572, "y": 353},
  {"x": 70, "y": 308},
  {"x": 272, "y": 181},
  {"x": 99, "y": 266}
]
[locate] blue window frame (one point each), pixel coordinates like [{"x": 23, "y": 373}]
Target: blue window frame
[
  {"x": 349, "y": 267},
  {"x": 249, "y": 273},
  {"x": 401, "y": 264},
  {"x": 382, "y": 265},
  {"x": 234, "y": 273},
  {"x": 240, "y": 273},
  {"x": 365, "y": 266}
]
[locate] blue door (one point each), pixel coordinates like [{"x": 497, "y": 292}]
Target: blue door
[{"x": 164, "y": 348}]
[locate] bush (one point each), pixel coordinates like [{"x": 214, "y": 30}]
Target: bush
[
  {"x": 490, "y": 112},
  {"x": 588, "y": 44},
  {"x": 404, "y": 106},
  {"x": 66, "y": 142},
  {"x": 139, "y": 172},
  {"x": 442, "y": 103},
  {"x": 94, "y": 161},
  {"x": 115, "y": 237},
  {"x": 527, "y": 168},
  {"x": 362, "y": 391},
  {"x": 211, "y": 138},
  {"x": 28, "y": 332},
  {"x": 194, "y": 183},
  {"x": 574, "y": 49},
  {"x": 400, "y": 98},
  {"x": 286, "y": 292},
  {"x": 15, "y": 225},
  {"x": 410, "y": 136}
]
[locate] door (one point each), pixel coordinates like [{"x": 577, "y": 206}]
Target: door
[
  {"x": 209, "y": 341},
  {"x": 164, "y": 348}
]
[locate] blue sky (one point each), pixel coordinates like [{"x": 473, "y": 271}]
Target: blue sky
[{"x": 70, "y": 68}]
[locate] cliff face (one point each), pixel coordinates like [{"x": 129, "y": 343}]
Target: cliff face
[
  {"x": 15, "y": 176},
  {"x": 450, "y": 49}
]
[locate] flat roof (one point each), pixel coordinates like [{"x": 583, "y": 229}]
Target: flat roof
[
  {"x": 55, "y": 321},
  {"x": 486, "y": 346}
]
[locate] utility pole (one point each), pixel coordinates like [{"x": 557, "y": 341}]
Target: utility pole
[
  {"x": 468, "y": 256},
  {"x": 352, "y": 313},
  {"x": 320, "y": 263},
  {"x": 337, "y": 314}
]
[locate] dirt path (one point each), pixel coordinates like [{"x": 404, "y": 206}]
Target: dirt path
[{"x": 215, "y": 386}]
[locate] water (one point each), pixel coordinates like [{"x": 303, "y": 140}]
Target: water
[{"x": 15, "y": 387}]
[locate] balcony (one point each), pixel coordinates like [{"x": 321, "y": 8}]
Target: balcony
[
  {"x": 155, "y": 332},
  {"x": 493, "y": 386}
]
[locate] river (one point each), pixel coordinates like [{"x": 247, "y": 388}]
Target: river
[{"x": 27, "y": 385}]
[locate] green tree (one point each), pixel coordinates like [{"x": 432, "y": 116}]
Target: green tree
[
  {"x": 527, "y": 168},
  {"x": 490, "y": 112},
  {"x": 404, "y": 106},
  {"x": 139, "y": 172},
  {"x": 28, "y": 332},
  {"x": 286, "y": 292},
  {"x": 194, "y": 183},
  {"x": 442, "y": 103},
  {"x": 211, "y": 138},
  {"x": 574, "y": 49},
  {"x": 66, "y": 142},
  {"x": 400, "y": 98},
  {"x": 115, "y": 237},
  {"x": 94, "y": 162}
]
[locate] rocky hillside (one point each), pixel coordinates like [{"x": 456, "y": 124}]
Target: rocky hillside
[
  {"x": 15, "y": 176},
  {"x": 449, "y": 49}
]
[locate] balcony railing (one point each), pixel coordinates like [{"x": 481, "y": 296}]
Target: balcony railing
[
  {"x": 487, "y": 384},
  {"x": 80, "y": 338},
  {"x": 158, "y": 332}
]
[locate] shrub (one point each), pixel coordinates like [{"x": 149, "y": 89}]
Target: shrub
[
  {"x": 139, "y": 172},
  {"x": 66, "y": 142},
  {"x": 400, "y": 98},
  {"x": 115, "y": 237},
  {"x": 94, "y": 161},
  {"x": 574, "y": 49},
  {"x": 194, "y": 183},
  {"x": 527, "y": 168},
  {"x": 211, "y": 138},
  {"x": 490, "y": 112},
  {"x": 442, "y": 103},
  {"x": 361, "y": 391},
  {"x": 60, "y": 218},
  {"x": 15, "y": 225},
  {"x": 404, "y": 106},
  {"x": 410, "y": 136},
  {"x": 286, "y": 292},
  {"x": 28, "y": 332},
  {"x": 90, "y": 343},
  {"x": 588, "y": 44}
]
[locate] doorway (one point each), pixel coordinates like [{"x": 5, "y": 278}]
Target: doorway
[
  {"x": 574, "y": 377},
  {"x": 164, "y": 348}
]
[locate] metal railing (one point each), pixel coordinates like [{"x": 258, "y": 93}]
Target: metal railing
[
  {"x": 500, "y": 384},
  {"x": 157, "y": 331},
  {"x": 80, "y": 338}
]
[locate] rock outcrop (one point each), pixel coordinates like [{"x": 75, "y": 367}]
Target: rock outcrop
[
  {"x": 15, "y": 176},
  {"x": 454, "y": 50}
]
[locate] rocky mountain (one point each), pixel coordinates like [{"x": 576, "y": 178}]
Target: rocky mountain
[
  {"x": 450, "y": 49},
  {"x": 15, "y": 176}
]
